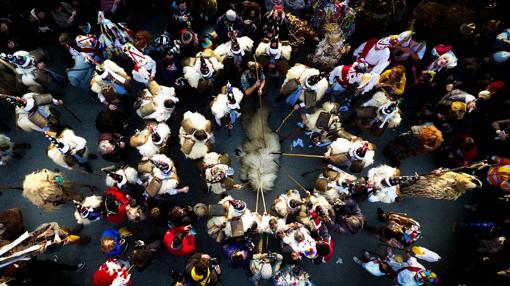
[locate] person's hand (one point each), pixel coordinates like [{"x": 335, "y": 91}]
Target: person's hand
[
  {"x": 41, "y": 66},
  {"x": 122, "y": 144},
  {"x": 297, "y": 107},
  {"x": 184, "y": 190},
  {"x": 112, "y": 107},
  {"x": 238, "y": 186},
  {"x": 60, "y": 102},
  {"x": 502, "y": 135},
  {"x": 206, "y": 256},
  {"x": 188, "y": 227},
  {"x": 257, "y": 83},
  {"x": 260, "y": 92},
  {"x": 11, "y": 44}
]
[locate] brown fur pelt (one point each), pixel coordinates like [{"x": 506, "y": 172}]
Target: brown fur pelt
[
  {"x": 41, "y": 189},
  {"x": 431, "y": 136},
  {"x": 442, "y": 186}
]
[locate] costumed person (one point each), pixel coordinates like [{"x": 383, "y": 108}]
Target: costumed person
[
  {"x": 330, "y": 50},
  {"x": 410, "y": 271},
  {"x": 503, "y": 47},
  {"x": 456, "y": 103},
  {"x": 180, "y": 240},
  {"x": 375, "y": 265},
  {"x": 324, "y": 124},
  {"x": 79, "y": 70},
  {"x": 424, "y": 254},
  {"x": 334, "y": 184},
  {"x": 158, "y": 102},
  {"x": 110, "y": 83},
  {"x": 226, "y": 106},
  {"x": 386, "y": 184},
  {"x": 233, "y": 54},
  {"x": 88, "y": 210},
  {"x": 378, "y": 113},
  {"x": 120, "y": 177},
  {"x": 89, "y": 45},
  {"x": 264, "y": 266},
  {"x": 393, "y": 81},
  {"x": 47, "y": 189},
  {"x": 377, "y": 52},
  {"x": 10, "y": 149},
  {"x": 112, "y": 37},
  {"x": 34, "y": 111},
  {"x": 445, "y": 59},
  {"x": 112, "y": 243},
  {"x": 356, "y": 154},
  {"x": 253, "y": 80},
  {"x": 116, "y": 204},
  {"x": 203, "y": 270},
  {"x": 299, "y": 239},
  {"x": 343, "y": 76},
  {"x": 203, "y": 71},
  {"x": 113, "y": 147},
  {"x": 218, "y": 174},
  {"x": 299, "y": 31},
  {"x": 348, "y": 218},
  {"x": 69, "y": 150},
  {"x": 145, "y": 67},
  {"x": 227, "y": 24},
  {"x": 274, "y": 55},
  {"x": 159, "y": 176},
  {"x": 399, "y": 231},
  {"x": 287, "y": 204},
  {"x": 113, "y": 272},
  {"x": 498, "y": 175},
  {"x": 290, "y": 275},
  {"x": 230, "y": 218},
  {"x": 411, "y": 48},
  {"x": 418, "y": 140},
  {"x": 304, "y": 86},
  {"x": 152, "y": 140},
  {"x": 195, "y": 135},
  {"x": 333, "y": 11}
]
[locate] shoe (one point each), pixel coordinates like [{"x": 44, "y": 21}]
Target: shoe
[
  {"x": 80, "y": 266},
  {"x": 357, "y": 260}
]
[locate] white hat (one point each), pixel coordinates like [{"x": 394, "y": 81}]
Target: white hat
[
  {"x": 266, "y": 271},
  {"x": 231, "y": 15}
]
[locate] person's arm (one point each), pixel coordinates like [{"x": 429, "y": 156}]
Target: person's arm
[{"x": 400, "y": 86}]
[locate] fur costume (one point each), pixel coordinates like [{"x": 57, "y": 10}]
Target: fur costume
[
  {"x": 224, "y": 50},
  {"x": 297, "y": 78},
  {"x": 152, "y": 104},
  {"x": 418, "y": 140},
  {"x": 378, "y": 113},
  {"x": 382, "y": 193},
  {"x": 167, "y": 182},
  {"x": 217, "y": 172},
  {"x": 442, "y": 185},
  {"x": 26, "y": 116},
  {"x": 378, "y": 100},
  {"x": 329, "y": 184},
  {"x": 192, "y": 72},
  {"x": 222, "y": 107},
  {"x": 343, "y": 152},
  {"x": 27, "y": 70},
  {"x": 246, "y": 216},
  {"x": 263, "y": 223},
  {"x": 334, "y": 120},
  {"x": 47, "y": 189},
  {"x": 83, "y": 210},
  {"x": 282, "y": 205},
  {"x": 129, "y": 176},
  {"x": 105, "y": 80},
  {"x": 257, "y": 154},
  {"x": 143, "y": 140},
  {"x": 348, "y": 218},
  {"x": 264, "y": 49},
  {"x": 195, "y": 135},
  {"x": 6, "y": 149},
  {"x": 74, "y": 143}
]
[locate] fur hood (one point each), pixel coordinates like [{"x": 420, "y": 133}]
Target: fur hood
[
  {"x": 128, "y": 173},
  {"x": 41, "y": 190},
  {"x": 161, "y": 113},
  {"x": 94, "y": 202},
  {"x": 281, "y": 203},
  {"x": 263, "y": 50},
  {"x": 382, "y": 193},
  {"x": 195, "y": 121},
  {"x": 192, "y": 73},
  {"x": 149, "y": 149},
  {"x": 223, "y": 50},
  {"x": 220, "y": 106}
]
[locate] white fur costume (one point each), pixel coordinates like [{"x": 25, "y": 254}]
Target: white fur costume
[
  {"x": 281, "y": 203},
  {"x": 327, "y": 107},
  {"x": 169, "y": 181},
  {"x": 192, "y": 72},
  {"x": 221, "y": 106},
  {"x": 23, "y": 114},
  {"x": 211, "y": 160},
  {"x": 247, "y": 217},
  {"x": 111, "y": 69},
  {"x": 149, "y": 148},
  {"x": 74, "y": 142},
  {"x": 334, "y": 187},
  {"x": 92, "y": 202},
  {"x": 223, "y": 50},
  {"x": 197, "y": 122},
  {"x": 300, "y": 73},
  {"x": 383, "y": 193},
  {"x": 27, "y": 72},
  {"x": 157, "y": 98},
  {"x": 380, "y": 100},
  {"x": 129, "y": 176},
  {"x": 282, "y": 52},
  {"x": 341, "y": 145}
]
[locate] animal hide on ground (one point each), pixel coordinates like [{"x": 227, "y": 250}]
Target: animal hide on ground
[
  {"x": 442, "y": 186},
  {"x": 257, "y": 156}
]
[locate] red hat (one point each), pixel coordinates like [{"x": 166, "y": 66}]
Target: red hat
[
  {"x": 110, "y": 271},
  {"x": 496, "y": 86},
  {"x": 441, "y": 49}
]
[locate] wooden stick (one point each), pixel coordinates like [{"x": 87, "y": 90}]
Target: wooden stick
[
  {"x": 290, "y": 177},
  {"x": 311, "y": 171},
  {"x": 285, "y": 120},
  {"x": 300, "y": 155}
]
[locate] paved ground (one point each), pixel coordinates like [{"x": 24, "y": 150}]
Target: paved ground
[{"x": 436, "y": 217}]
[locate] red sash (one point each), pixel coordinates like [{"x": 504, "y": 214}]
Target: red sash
[
  {"x": 368, "y": 46},
  {"x": 342, "y": 79}
]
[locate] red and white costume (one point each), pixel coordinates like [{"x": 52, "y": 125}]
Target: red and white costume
[
  {"x": 377, "y": 52},
  {"x": 145, "y": 67}
]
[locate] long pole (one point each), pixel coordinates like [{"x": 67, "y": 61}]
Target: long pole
[
  {"x": 285, "y": 120},
  {"x": 290, "y": 177},
  {"x": 299, "y": 155}
]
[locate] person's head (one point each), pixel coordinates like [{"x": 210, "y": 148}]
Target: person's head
[
  {"x": 107, "y": 244},
  {"x": 397, "y": 72},
  {"x": 105, "y": 147},
  {"x": 181, "y": 5},
  {"x": 140, "y": 258},
  {"x": 177, "y": 212},
  {"x": 299, "y": 236},
  {"x": 322, "y": 248},
  {"x": 239, "y": 256},
  {"x": 266, "y": 271},
  {"x": 40, "y": 13},
  {"x": 231, "y": 15},
  {"x": 468, "y": 143},
  {"x": 187, "y": 37},
  {"x": 177, "y": 241},
  {"x": 155, "y": 213},
  {"x": 201, "y": 269},
  {"x": 200, "y": 135},
  {"x": 169, "y": 104},
  {"x": 4, "y": 27}
]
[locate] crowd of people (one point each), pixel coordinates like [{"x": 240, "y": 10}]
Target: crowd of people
[{"x": 449, "y": 57}]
